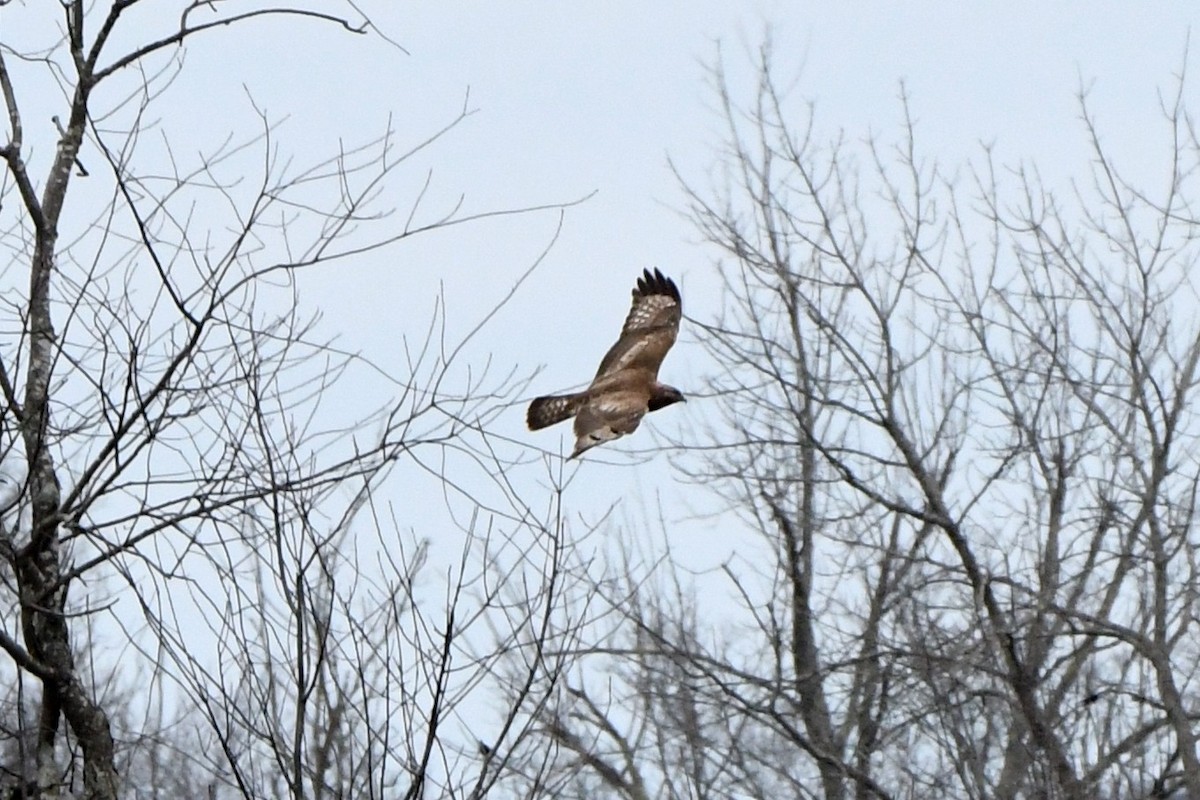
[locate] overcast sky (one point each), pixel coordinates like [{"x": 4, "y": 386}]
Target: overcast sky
[{"x": 575, "y": 99}]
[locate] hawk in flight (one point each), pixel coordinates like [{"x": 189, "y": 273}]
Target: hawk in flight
[{"x": 626, "y": 386}]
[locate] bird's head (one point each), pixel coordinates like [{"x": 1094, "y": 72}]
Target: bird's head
[{"x": 664, "y": 396}]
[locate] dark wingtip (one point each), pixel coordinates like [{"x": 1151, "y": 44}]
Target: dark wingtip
[{"x": 656, "y": 283}]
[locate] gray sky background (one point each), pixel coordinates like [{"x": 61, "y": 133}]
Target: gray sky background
[{"x": 574, "y": 99}]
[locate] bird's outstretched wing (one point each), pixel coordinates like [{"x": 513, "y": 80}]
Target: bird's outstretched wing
[{"x": 649, "y": 330}]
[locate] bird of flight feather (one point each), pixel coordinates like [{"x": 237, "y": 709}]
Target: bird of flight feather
[{"x": 626, "y": 386}]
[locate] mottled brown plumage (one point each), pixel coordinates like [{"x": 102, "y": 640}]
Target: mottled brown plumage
[{"x": 626, "y": 385}]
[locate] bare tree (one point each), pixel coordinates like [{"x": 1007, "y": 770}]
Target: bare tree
[
  {"x": 208, "y": 573},
  {"x": 958, "y": 409}
]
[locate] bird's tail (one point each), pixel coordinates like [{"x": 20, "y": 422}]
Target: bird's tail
[{"x": 546, "y": 411}]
